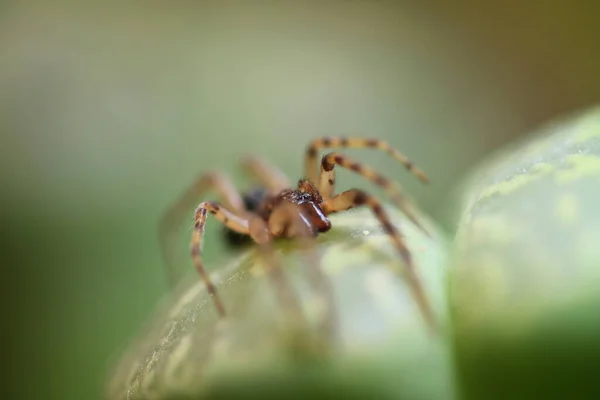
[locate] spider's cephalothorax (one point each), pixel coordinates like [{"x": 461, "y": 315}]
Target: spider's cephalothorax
[
  {"x": 308, "y": 203},
  {"x": 306, "y": 196},
  {"x": 276, "y": 209}
]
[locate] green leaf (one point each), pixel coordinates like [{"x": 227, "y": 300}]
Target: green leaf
[
  {"x": 377, "y": 342},
  {"x": 522, "y": 294},
  {"x": 525, "y": 279}
]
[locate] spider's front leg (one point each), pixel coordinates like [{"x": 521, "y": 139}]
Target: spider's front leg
[
  {"x": 288, "y": 217},
  {"x": 258, "y": 230},
  {"x": 177, "y": 213},
  {"x": 392, "y": 189},
  {"x": 260, "y": 233},
  {"x": 354, "y": 198},
  {"x": 310, "y": 158},
  {"x": 230, "y": 220}
]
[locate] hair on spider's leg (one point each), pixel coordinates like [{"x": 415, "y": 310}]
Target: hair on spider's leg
[
  {"x": 228, "y": 218},
  {"x": 177, "y": 213},
  {"x": 392, "y": 189},
  {"x": 310, "y": 159},
  {"x": 354, "y": 198},
  {"x": 268, "y": 175}
]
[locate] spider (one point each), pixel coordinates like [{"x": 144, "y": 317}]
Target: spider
[{"x": 276, "y": 209}]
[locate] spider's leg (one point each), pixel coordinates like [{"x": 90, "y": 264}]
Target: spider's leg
[
  {"x": 313, "y": 148},
  {"x": 259, "y": 231},
  {"x": 177, "y": 213},
  {"x": 268, "y": 175},
  {"x": 228, "y": 218},
  {"x": 287, "y": 217},
  {"x": 354, "y": 198},
  {"x": 392, "y": 189}
]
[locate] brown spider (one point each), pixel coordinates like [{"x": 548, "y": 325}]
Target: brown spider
[{"x": 278, "y": 210}]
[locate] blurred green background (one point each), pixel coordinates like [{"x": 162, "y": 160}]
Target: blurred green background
[{"x": 108, "y": 111}]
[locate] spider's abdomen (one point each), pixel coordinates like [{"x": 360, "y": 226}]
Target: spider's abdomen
[{"x": 252, "y": 200}]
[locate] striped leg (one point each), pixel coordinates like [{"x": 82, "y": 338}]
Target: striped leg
[
  {"x": 354, "y": 198},
  {"x": 313, "y": 148},
  {"x": 392, "y": 189},
  {"x": 176, "y": 215},
  {"x": 269, "y": 176},
  {"x": 229, "y": 219}
]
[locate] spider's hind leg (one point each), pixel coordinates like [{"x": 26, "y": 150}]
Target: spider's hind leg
[
  {"x": 355, "y": 198},
  {"x": 268, "y": 175}
]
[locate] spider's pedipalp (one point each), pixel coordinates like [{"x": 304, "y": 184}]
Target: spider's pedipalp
[
  {"x": 314, "y": 146},
  {"x": 354, "y": 198},
  {"x": 269, "y": 176},
  {"x": 229, "y": 219},
  {"x": 177, "y": 213},
  {"x": 391, "y": 188}
]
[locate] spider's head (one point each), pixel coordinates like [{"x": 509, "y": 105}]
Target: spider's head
[
  {"x": 309, "y": 202},
  {"x": 310, "y": 190}
]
